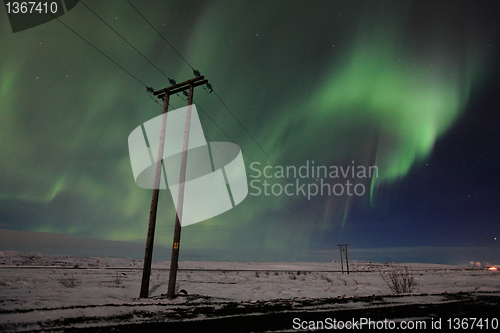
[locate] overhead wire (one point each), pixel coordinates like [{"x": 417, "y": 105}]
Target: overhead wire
[
  {"x": 173, "y": 82},
  {"x": 119, "y": 35},
  {"x": 110, "y": 59},
  {"x": 173, "y": 48},
  {"x": 197, "y": 73},
  {"x": 243, "y": 168},
  {"x": 149, "y": 89},
  {"x": 239, "y": 122}
]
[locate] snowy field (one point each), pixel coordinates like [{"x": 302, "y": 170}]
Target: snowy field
[{"x": 43, "y": 292}]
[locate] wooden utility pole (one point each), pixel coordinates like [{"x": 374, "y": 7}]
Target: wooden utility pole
[
  {"x": 165, "y": 95},
  {"x": 180, "y": 201},
  {"x": 343, "y": 252},
  {"x": 146, "y": 270}
]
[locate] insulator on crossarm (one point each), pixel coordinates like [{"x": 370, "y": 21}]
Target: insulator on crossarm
[{"x": 208, "y": 88}]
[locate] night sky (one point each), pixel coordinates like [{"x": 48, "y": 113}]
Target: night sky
[{"x": 411, "y": 87}]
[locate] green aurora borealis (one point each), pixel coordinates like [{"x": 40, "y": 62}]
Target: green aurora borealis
[{"x": 333, "y": 82}]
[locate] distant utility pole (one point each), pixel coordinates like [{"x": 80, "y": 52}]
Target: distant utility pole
[
  {"x": 343, "y": 252},
  {"x": 146, "y": 272}
]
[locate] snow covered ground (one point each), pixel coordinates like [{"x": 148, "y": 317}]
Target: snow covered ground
[{"x": 40, "y": 291}]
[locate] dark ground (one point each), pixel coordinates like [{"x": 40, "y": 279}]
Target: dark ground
[{"x": 279, "y": 316}]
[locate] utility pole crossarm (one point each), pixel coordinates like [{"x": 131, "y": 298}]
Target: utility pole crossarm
[
  {"x": 179, "y": 85},
  {"x": 178, "y": 90}
]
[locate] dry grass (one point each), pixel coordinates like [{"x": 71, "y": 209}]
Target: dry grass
[{"x": 399, "y": 278}]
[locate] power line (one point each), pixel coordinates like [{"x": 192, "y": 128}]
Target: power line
[
  {"x": 173, "y": 48},
  {"x": 251, "y": 136},
  {"x": 197, "y": 73},
  {"x": 248, "y": 156},
  {"x": 86, "y": 41},
  {"x": 136, "y": 50},
  {"x": 251, "y": 159},
  {"x": 217, "y": 95},
  {"x": 173, "y": 82},
  {"x": 269, "y": 157}
]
